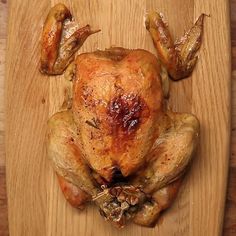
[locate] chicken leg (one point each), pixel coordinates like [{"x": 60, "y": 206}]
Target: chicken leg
[
  {"x": 65, "y": 154},
  {"x": 171, "y": 153}
]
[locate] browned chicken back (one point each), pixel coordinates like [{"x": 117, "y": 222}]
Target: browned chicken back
[{"x": 117, "y": 103}]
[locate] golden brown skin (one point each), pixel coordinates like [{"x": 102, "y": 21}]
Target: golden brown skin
[
  {"x": 51, "y": 36},
  {"x": 58, "y": 52},
  {"x": 65, "y": 153},
  {"x": 115, "y": 142},
  {"x": 116, "y": 109},
  {"x": 170, "y": 153},
  {"x": 99, "y": 130},
  {"x": 179, "y": 58}
]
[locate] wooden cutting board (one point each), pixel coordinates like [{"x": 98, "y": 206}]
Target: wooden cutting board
[{"x": 35, "y": 202}]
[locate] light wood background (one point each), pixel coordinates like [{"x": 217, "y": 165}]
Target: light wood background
[{"x": 36, "y": 206}]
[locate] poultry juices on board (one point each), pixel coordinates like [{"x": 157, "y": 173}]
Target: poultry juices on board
[{"x": 115, "y": 142}]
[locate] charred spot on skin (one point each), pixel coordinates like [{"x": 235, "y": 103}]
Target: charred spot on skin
[{"x": 126, "y": 112}]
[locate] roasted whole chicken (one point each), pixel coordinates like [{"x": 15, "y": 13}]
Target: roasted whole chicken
[{"x": 114, "y": 142}]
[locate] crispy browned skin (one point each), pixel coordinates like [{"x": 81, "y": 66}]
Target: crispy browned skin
[
  {"x": 115, "y": 142},
  {"x": 179, "y": 58},
  {"x": 118, "y": 122},
  {"x": 65, "y": 153},
  {"x": 170, "y": 154},
  {"x": 56, "y": 56},
  {"x": 51, "y": 36},
  {"x": 117, "y": 109}
]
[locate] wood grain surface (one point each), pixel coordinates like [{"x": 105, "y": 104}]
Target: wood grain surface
[
  {"x": 3, "y": 197},
  {"x": 36, "y": 206},
  {"x": 230, "y": 209}
]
